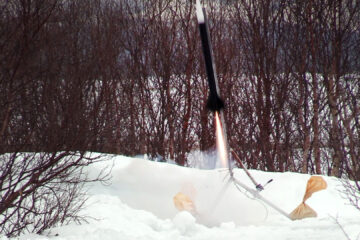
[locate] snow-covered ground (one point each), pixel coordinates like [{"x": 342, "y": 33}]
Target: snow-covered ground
[{"x": 139, "y": 205}]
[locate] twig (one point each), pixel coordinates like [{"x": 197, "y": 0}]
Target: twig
[{"x": 341, "y": 227}]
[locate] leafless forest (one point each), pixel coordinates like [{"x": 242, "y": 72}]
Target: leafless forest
[{"x": 127, "y": 77}]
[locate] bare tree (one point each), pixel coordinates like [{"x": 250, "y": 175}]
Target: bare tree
[{"x": 40, "y": 191}]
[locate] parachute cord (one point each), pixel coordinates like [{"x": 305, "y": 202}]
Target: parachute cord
[
  {"x": 252, "y": 197},
  {"x": 245, "y": 192}
]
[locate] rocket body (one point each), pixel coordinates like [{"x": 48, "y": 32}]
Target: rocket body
[{"x": 214, "y": 102}]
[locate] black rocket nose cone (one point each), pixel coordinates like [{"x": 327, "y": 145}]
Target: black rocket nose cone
[{"x": 214, "y": 103}]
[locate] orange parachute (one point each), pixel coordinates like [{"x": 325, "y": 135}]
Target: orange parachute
[{"x": 314, "y": 184}]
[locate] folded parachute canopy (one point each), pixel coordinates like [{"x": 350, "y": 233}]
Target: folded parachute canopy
[
  {"x": 184, "y": 203},
  {"x": 314, "y": 184}
]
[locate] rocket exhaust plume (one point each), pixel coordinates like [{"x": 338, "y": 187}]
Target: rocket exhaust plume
[
  {"x": 220, "y": 142},
  {"x": 214, "y": 102}
]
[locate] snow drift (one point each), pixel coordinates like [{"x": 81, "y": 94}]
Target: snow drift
[{"x": 138, "y": 204}]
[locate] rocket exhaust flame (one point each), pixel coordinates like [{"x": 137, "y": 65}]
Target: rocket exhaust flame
[{"x": 220, "y": 142}]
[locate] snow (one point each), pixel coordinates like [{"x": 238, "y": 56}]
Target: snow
[{"x": 138, "y": 204}]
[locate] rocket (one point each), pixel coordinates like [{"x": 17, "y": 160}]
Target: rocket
[{"x": 214, "y": 102}]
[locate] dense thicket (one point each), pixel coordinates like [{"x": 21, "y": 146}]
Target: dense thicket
[{"x": 127, "y": 77}]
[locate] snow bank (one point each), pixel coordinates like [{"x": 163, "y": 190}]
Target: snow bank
[
  {"x": 151, "y": 186},
  {"x": 139, "y": 205}
]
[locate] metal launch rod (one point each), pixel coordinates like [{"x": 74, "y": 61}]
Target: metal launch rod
[
  {"x": 257, "y": 195},
  {"x": 258, "y": 186}
]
